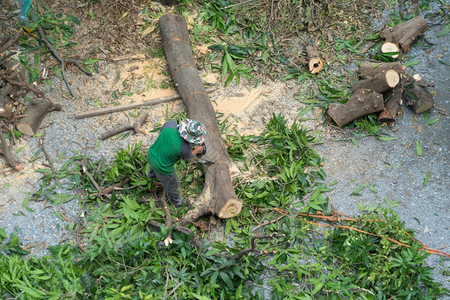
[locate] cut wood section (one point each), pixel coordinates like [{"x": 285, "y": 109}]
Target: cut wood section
[
  {"x": 34, "y": 114},
  {"x": 218, "y": 196},
  {"x": 315, "y": 63},
  {"x": 417, "y": 96},
  {"x": 393, "y": 105},
  {"x": 6, "y": 102},
  {"x": 380, "y": 83},
  {"x": 370, "y": 69},
  {"x": 406, "y": 33},
  {"x": 389, "y": 47},
  {"x": 362, "y": 102}
]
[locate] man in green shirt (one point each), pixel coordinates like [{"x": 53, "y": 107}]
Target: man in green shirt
[{"x": 174, "y": 141}]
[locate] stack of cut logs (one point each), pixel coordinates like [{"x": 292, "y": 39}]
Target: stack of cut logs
[{"x": 383, "y": 86}]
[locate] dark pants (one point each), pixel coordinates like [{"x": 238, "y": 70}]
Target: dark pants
[{"x": 171, "y": 185}]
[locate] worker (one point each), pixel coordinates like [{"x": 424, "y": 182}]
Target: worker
[{"x": 174, "y": 141}]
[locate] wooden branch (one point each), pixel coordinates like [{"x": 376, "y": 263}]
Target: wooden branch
[
  {"x": 370, "y": 69},
  {"x": 6, "y": 103},
  {"x": 11, "y": 41},
  {"x": 380, "y": 82},
  {"x": 362, "y": 102},
  {"x": 417, "y": 96},
  {"x": 404, "y": 34},
  {"x": 393, "y": 106},
  {"x": 168, "y": 240},
  {"x": 136, "y": 127},
  {"x": 26, "y": 85},
  {"x": 94, "y": 182},
  {"x": 34, "y": 114},
  {"x": 218, "y": 196},
  {"x": 7, "y": 154},
  {"x": 107, "y": 191},
  {"x": 55, "y": 54},
  {"x": 47, "y": 156},
  {"x": 108, "y": 110},
  {"x": 315, "y": 63}
]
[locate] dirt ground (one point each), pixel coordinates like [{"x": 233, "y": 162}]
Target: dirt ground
[{"x": 393, "y": 168}]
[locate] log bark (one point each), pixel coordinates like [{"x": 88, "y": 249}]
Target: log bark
[
  {"x": 6, "y": 152},
  {"x": 405, "y": 34},
  {"x": 136, "y": 127},
  {"x": 417, "y": 96},
  {"x": 218, "y": 196},
  {"x": 393, "y": 105},
  {"x": 380, "y": 82},
  {"x": 362, "y": 102},
  {"x": 315, "y": 63},
  {"x": 34, "y": 114},
  {"x": 6, "y": 103},
  {"x": 370, "y": 69}
]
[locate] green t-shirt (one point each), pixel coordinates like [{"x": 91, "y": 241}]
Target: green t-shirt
[{"x": 168, "y": 148}]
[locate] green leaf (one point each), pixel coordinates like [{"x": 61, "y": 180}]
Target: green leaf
[
  {"x": 411, "y": 63},
  {"x": 445, "y": 31},
  {"x": 386, "y": 138},
  {"x": 418, "y": 148},
  {"x": 427, "y": 119},
  {"x": 355, "y": 142},
  {"x": 59, "y": 216},
  {"x": 200, "y": 297},
  {"x": 91, "y": 61},
  {"x": 226, "y": 279}
]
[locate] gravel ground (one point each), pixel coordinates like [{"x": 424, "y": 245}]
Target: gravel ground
[{"x": 392, "y": 167}]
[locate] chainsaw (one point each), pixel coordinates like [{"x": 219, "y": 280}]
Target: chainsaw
[{"x": 199, "y": 155}]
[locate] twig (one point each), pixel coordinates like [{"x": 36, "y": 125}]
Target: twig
[
  {"x": 253, "y": 240},
  {"x": 85, "y": 170},
  {"x": 268, "y": 222},
  {"x": 76, "y": 63},
  {"x": 55, "y": 54},
  {"x": 237, "y": 4},
  {"x": 169, "y": 222},
  {"x": 47, "y": 156}
]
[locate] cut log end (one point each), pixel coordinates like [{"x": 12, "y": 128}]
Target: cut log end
[
  {"x": 25, "y": 129},
  {"x": 231, "y": 209},
  {"x": 392, "y": 78},
  {"x": 389, "y": 47},
  {"x": 315, "y": 65}
]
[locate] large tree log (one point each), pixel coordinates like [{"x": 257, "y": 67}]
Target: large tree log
[
  {"x": 218, "y": 196},
  {"x": 393, "y": 106},
  {"x": 417, "y": 95},
  {"x": 370, "y": 69},
  {"x": 362, "y": 102},
  {"x": 404, "y": 34},
  {"x": 34, "y": 114},
  {"x": 380, "y": 83}
]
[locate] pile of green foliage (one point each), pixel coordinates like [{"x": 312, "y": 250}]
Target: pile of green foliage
[{"x": 117, "y": 255}]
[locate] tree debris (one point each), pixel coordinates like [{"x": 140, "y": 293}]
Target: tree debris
[
  {"x": 34, "y": 114},
  {"x": 136, "y": 127}
]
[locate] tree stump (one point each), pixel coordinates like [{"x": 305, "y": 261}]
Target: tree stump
[
  {"x": 361, "y": 103},
  {"x": 380, "y": 82},
  {"x": 417, "y": 96},
  {"x": 218, "y": 196},
  {"x": 34, "y": 114},
  {"x": 404, "y": 34}
]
